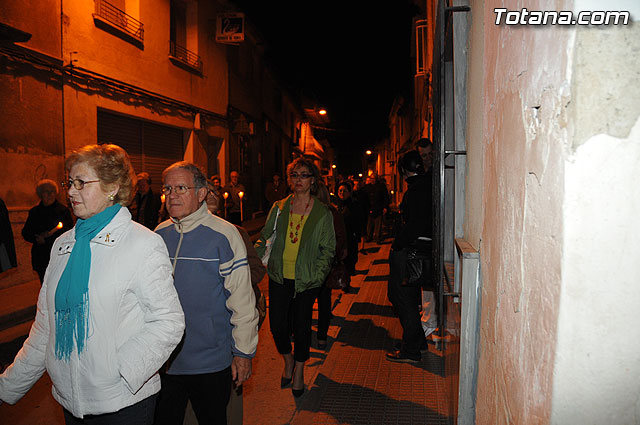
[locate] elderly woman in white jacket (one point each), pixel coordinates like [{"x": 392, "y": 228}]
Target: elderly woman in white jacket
[{"x": 108, "y": 314}]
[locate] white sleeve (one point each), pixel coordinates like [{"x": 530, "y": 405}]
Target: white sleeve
[{"x": 29, "y": 364}]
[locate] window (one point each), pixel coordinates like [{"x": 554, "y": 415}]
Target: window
[
  {"x": 178, "y": 24},
  {"x": 183, "y": 36},
  {"x": 422, "y": 67},
  {"x": 117, "y": 17}
]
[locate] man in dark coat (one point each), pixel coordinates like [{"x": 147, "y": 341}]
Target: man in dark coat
[
  {"x": 146, "y": 204},
  {"x": 46, "y": 221},
  {"x": 362, "y": 197},
  {"x": 276, "y": 190},
  {"x": 378, "y": 204}
]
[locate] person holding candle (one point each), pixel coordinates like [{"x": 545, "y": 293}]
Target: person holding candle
[
  {"x": 46, "y": 221},
  {"x": 233, "y": 201},
  {"x": 108, "y": 315},
  {"x": 299, "y": 263}
]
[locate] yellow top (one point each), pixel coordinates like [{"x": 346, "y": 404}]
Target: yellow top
[{"x": 290, "y": 253}]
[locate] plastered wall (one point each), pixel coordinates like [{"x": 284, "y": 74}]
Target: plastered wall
[
  {"x": 552, "y": 205},
  {"x": 517, "y": 106}
]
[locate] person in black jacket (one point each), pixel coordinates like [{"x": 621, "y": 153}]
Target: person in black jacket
[
  {"x": 7, "y": 246},
  {"x": 416, "y": 228},
  {"x": 353, "y": 217},
  {"x": 46, "y": 221},
  {"x": 146, "y": 204},
  {"x": 362, "y": 197},
  {"x": 378, "y": 205}
]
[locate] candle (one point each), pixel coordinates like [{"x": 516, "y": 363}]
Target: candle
[
  {"x": 55, "y": 229},
  {"x": 240, "y": 195}
]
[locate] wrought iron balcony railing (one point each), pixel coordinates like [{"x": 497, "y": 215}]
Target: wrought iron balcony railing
[
  {"x": 120, "y": 19},
  {"x": 185, "y": 56}
]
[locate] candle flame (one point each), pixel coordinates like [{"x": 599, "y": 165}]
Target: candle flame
[
  {"x": 59, "y": 226},
  {"x": 240, "y": 194}
]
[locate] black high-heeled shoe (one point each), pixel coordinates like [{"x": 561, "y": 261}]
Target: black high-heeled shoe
[
  {"x": 284, "y": 382},
  {"x": 297, "y": 393}
]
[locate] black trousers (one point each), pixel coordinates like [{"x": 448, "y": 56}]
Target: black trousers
[
  {"x": 406, "y": 302},
  {"x": 352, "y": 255},
  {"x": 324, "y": 311},
  {"x": 140, "y": 413},
  {"x": 209, "y": 394},
  {"x": 291, "y": 312}
]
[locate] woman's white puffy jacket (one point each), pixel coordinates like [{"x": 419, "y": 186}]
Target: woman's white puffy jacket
[{"x": 135, "y": 323}]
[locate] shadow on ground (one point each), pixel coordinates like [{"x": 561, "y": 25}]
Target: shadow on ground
[
  {"x": 355, "y": 404},
  {"x": 370, "y": 309}
]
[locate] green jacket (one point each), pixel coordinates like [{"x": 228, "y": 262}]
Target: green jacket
[{"x": 317, "y": 244}]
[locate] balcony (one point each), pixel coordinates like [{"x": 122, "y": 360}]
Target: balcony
[
  {"x": 180, "y": 56},
  {"x": 117, "y": 22}
]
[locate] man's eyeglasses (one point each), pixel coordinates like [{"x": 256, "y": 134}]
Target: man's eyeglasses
[
  {"x": 295, "y": 176},
  {"x": 178, "y": 190},
  {"x": 77, "y": 183}
]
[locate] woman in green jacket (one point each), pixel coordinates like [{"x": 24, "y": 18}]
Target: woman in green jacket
[{"x": 300, "y": 260}]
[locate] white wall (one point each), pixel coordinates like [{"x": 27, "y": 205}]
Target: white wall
[
  {"x": 598, "y": 351},
  {"x": 598, "y": 345}
]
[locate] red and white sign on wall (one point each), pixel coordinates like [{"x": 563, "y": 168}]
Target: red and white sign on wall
[{"x": 230, "y": 28}]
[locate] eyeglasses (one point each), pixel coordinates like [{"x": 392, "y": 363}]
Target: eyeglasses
[
  {"x": 178, "y": 190},
  {"x": 77, "y": 183},
  {"x": 295, "y": 176}
]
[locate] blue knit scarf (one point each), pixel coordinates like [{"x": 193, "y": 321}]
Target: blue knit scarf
[{"x": 72, "y": 293}]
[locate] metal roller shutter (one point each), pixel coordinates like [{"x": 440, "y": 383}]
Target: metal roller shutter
[{"x": 151, "y": 147}]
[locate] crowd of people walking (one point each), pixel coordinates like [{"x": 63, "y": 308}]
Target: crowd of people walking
[{"x": 146, "y": 309}]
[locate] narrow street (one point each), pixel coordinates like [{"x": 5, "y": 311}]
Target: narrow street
[{"x": 349, "y": 383}]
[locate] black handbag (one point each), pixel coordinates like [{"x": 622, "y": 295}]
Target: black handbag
[
  {"x": 419, "y": 265},
  {"x": 337, "y": 278}
]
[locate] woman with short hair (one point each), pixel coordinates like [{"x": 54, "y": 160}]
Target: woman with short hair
[
  {"x": 46, "y": 221},
  {"x": 299, "y": 263},
  {"x": 108, "y": 315}
]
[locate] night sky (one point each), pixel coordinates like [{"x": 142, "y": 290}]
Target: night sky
[{"x": 352, "y": 57}]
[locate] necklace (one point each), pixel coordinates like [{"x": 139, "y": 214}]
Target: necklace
[{"x": 294, "y": 237}]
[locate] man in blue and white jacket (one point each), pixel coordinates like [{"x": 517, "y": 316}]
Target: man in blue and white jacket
[{"x": 212, "y": 278}]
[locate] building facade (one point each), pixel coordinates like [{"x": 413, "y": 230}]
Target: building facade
[{"x": 147, "y": 75}]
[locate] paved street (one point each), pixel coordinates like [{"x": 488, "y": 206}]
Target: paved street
[{"x": 349, "y": 383}]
